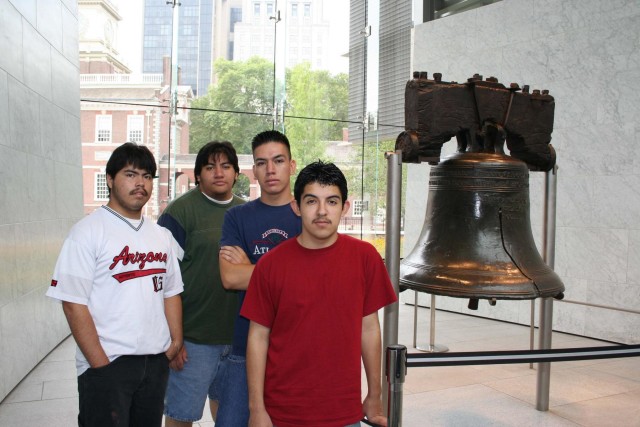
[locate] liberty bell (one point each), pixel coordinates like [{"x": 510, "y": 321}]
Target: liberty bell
[{"x": 476, "y": 241}]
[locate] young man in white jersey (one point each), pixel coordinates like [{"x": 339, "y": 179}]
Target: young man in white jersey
[{"x": 119, "y": 282}]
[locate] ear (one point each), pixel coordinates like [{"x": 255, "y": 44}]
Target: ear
[
  {"x": 109, "y": 181},
  {"x": 292, "y": 167},
  {"x": 295, "y": 207},
  {"x": 345, "y": 208}
]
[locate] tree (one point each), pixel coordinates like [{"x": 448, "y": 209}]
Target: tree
[
  {"x": 241, "y": 188},
  {"x": 236, "y": 107},
  {"x": 315, "y": 100},
  {"x": 240, "y": 104}
]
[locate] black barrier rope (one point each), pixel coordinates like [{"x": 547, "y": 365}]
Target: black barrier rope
[{"x": 521, "y": 356}]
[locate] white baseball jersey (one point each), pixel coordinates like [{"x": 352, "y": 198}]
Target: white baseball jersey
[{"x": 122, "y": 273}]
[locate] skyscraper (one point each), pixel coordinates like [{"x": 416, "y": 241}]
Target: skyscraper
[
  {"x": 306, "y": 37},
  {"x": 195, "y": 40}
]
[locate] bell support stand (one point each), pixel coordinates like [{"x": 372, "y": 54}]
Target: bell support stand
[
  {"x": 432, "y": 347},
  {"x": 546, "y": 304}
]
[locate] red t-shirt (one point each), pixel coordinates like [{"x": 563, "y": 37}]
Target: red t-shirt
[{"x": 314, "y": 301}]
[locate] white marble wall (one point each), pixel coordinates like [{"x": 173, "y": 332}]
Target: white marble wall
[
  {"x": 587, "y": 53},
  {"x": 40, "y": 173}
]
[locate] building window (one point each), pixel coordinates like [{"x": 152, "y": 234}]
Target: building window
[
  {"x": 135, "y": 128},
  {"x": 103, "y": 128},
  {"x": 269, "y": 9},
  {"x": 359, "y": 206},
  {"x": 256, "y": 9},
  {"x": 434, "y": 9},
  {"x": 294, "y": 9},
  {"x": 307, "y": 9},
  {"x": 235, "y": 16},
  {"x": 101, "y": 191}
]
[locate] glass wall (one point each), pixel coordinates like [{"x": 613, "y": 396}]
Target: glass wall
[
  {"x": 311, "y": 70},
  {"x": 330, "y": 74}
]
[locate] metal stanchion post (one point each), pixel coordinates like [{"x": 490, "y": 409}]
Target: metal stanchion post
[
  {"x": 415, "y": 319},
  {"x": 546, "y": 305},
  {"x": 392, "y": 249},
  {"x": 432, "y": 347},
  {"x": 544, "y": 342},
  {"x": 396, "y": 369},
  {"x": 532, "y": 328}
]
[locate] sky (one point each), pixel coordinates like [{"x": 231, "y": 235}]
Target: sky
[{"x": 129, "y": 39}]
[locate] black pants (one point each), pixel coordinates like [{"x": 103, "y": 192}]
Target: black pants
[{"x": 128, "y": 392}]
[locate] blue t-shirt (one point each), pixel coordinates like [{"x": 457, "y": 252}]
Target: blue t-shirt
[{"x": 256, "y": 227}]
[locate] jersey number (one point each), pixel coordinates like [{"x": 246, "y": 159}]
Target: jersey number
[{"x": 157, "y": 283}]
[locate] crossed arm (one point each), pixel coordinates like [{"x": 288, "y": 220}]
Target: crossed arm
[{"x": 235, "y": 268}]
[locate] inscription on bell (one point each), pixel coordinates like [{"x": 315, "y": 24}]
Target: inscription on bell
[{"x": 477, "y": 185}]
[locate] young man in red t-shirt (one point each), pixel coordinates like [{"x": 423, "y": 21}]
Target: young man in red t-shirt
[{"x": 313, "y": 304}]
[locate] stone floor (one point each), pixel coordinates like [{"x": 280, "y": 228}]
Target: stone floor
[{"x": 604, "y": 392}]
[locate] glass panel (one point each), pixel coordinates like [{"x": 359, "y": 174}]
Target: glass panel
[
  {"x": 236, "y": 107},
  {"x": 312, "y": 69}
]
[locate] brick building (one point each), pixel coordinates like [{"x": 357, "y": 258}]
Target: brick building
[{"x": 116, "y": 108}]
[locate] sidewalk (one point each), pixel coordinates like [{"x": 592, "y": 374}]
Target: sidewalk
[{"x": 603, "y": 392}]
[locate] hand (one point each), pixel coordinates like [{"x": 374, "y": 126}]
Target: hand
[
  {"x": 101, "y": 364},
  {"x": 260, "y": 419},
  {"x": 177, "y": 355},
  {"x": 178, "y": 361},
  {"x": 372, "y": 408},
  {"x": 234, "y": 254}
]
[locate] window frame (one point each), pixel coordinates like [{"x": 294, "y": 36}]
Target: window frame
[
  {"x": 135, "y": 123},
  {"x": 359, "y": 207},
  {"x": 104, "y": 133},
  {"x": 100, "y": 187}
]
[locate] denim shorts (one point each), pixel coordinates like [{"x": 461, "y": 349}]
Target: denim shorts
[
  {"x": 201, "y": 376},
  {"x": 234, "y": 404}
]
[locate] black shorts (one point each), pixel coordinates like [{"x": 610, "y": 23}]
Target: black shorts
[{"x": 128, "y": 392}]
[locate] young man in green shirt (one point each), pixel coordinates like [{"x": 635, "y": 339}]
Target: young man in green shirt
[{"x": 195, "y": 220}]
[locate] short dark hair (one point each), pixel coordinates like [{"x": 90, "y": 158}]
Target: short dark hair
[
  {"x": 270, "y": 136},
  {"x": 323, "y": 174},
  {"x": 215, "y": 149},
  {"x": 132, "y": 154}
]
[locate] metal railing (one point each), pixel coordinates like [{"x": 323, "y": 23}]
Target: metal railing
[{"x": 397, "y": 361}]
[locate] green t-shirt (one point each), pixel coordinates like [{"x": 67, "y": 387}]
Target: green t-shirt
[{"x": 208, "y": 310}]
